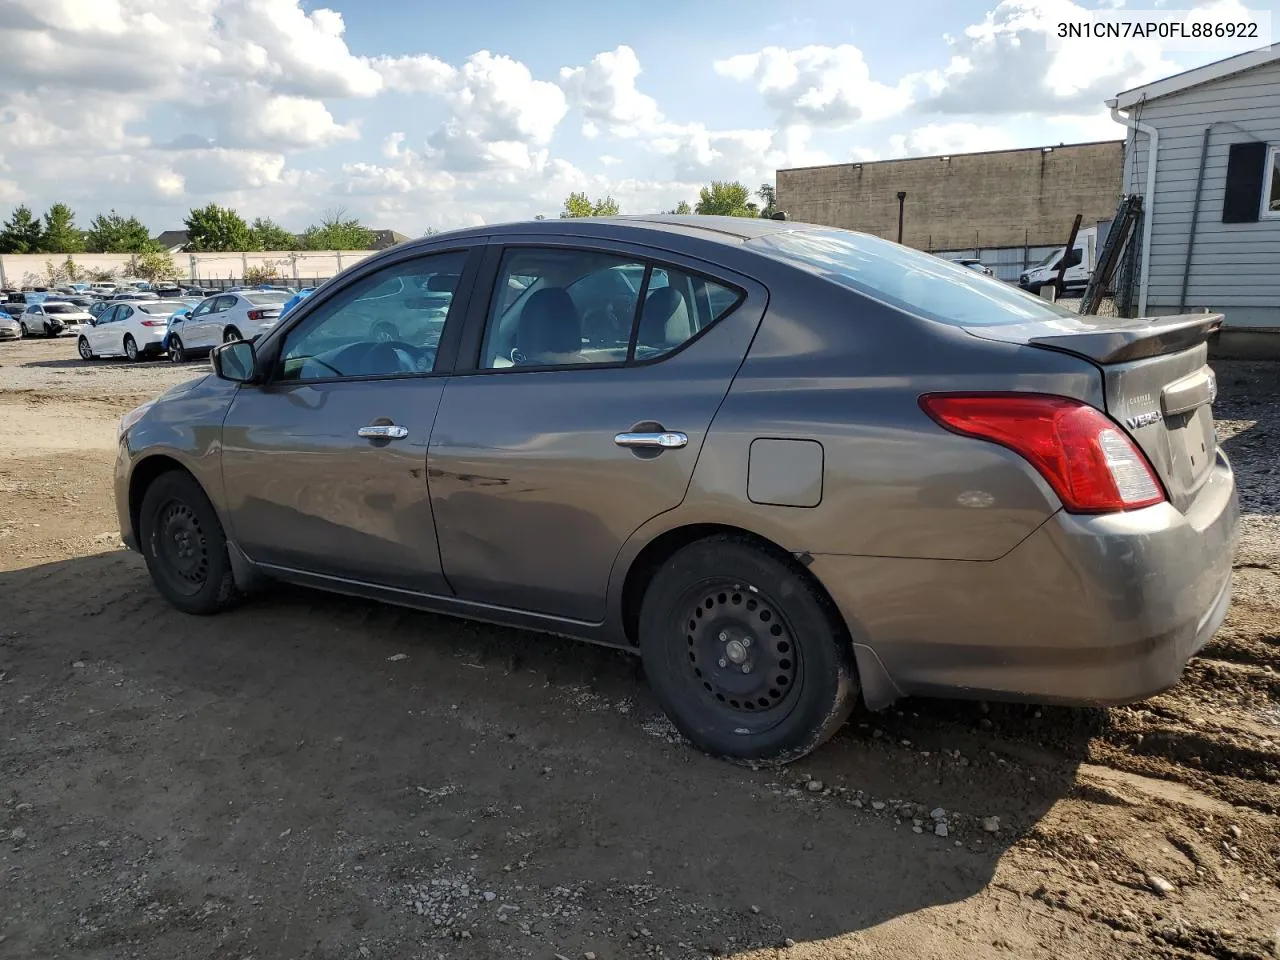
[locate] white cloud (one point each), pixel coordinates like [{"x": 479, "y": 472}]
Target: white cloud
[
  {"x": 699, "y": 154},
  {"x": 416, "y": 74},
  {"x": 817, "y": 85},
  {"x": 607, "y": 160},
  {"x": 947, "y": 138},
  {"x": 284, "y": 122},
  {"x": 605, "y": 91},
  {"x": 1003, "y": 65}
]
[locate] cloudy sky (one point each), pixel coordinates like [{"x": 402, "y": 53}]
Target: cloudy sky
[{"x": 415, "y": 114}]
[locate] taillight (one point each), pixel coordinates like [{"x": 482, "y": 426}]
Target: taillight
[
  {"x": 155, "y": 323},
  {"x": 1089, "y": 461},
  {"x": 257, "y": 314}
]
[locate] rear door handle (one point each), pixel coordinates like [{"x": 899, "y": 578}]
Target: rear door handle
[
  {"x": 383, "y": 431},
  {"x": 668, "y": 440}
]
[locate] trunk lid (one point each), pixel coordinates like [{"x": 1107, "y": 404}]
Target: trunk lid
[{"x": 1156, "y": 380}]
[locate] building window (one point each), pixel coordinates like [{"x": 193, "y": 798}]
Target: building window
[{"x": 1271, "y": 184}]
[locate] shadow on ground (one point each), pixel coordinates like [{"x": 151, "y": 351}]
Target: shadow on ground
[{"x": 308, "y": 774}]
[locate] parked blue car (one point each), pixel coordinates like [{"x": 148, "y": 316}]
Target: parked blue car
[{"x": 296, "y": 299}]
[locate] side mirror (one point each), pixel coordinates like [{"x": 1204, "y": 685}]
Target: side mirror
[{"x": 234, "y": 361}]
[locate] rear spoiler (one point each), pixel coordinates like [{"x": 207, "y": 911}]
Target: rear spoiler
[{"x": 1136, "y": 339}]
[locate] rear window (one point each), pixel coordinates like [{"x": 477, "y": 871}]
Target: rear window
[
  {"x": 266, "y": 298},
  {"x": 164, "y": 307},
  {"x": 908, "y": 279}
]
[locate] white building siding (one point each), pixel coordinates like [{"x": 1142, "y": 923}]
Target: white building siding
[{"x": 1235, "y": 267}]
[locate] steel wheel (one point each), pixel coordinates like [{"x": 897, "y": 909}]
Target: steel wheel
[
  {"x": 747, "y": 656},
  {"x": 179, "y": 543},
  {"x": 184, "y": 546},
  {"x": 740, "y": 649}
]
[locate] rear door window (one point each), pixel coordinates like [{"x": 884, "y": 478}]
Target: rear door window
[
  {"x": 559, "y": 307},
  {"x": 918, "y": 283}
]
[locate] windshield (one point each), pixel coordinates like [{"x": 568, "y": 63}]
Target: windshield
[
  {"x": 266, "y": 298},
  {"x": 1051, "y": 256},
  {"x": 61, "y": 308},
  {"x": 901, "y": 277}
]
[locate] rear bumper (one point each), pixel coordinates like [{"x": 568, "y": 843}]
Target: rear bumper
[{"x": 1085, "y": 611}]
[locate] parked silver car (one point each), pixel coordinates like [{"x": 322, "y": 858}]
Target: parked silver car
[{"x": 788, "y": 464}]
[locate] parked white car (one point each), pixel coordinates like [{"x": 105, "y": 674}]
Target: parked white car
[
  {"x": 9, "y": 328},
  {"x": 53, "y": 318},
  {"x": 225, "y": 317},
  {"x": 130, "y": 328}
]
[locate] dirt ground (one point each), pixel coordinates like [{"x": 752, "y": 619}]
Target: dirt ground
[{"x": 317, "y": 777}]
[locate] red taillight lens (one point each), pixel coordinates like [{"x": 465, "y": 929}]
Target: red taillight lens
[
  {"x": 257, "y": 314},
  {"x": 1089, "y": 461},
  {"x": 155, "y": 323}
]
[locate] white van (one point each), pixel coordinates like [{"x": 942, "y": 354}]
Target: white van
[{"x": 1084, "y": 256}]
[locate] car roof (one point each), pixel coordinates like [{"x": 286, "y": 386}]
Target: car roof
[{"x": 728, "y": 230}]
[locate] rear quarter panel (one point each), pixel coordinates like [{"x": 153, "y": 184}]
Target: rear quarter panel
[{"x": 830, "y": 366}]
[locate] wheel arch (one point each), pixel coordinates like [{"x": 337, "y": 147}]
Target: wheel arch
[
  {"x": 877, "y": 688},
  {"x": 145, "y": 472},
  {"x": 664, "y": 546}
]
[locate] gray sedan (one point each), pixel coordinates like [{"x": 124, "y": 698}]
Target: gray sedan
[{"x": 793, "y": 467}]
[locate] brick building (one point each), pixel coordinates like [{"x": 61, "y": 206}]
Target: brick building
[{"x": 965, "y": 202}]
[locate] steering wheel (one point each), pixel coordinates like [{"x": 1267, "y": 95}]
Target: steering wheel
[{"x": 387, "y": 356}]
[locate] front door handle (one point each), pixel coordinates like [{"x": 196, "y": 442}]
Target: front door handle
[
  {"x": 667, "y": 440},
  {"x": 383, "y": 431}
]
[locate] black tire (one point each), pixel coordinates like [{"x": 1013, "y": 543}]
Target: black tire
[
  {"x": 231, "y": 335},
  {"x": 85, "y": 351},
  {"x": 184, "y": 546},
  {"x": 175, "y": 350},
  {"x": 131, "y": 350},
  {"x": 802, "y": 682},
  {"x": 22, "y": 326}
]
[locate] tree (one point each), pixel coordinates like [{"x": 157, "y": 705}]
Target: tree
[
  {"x": 337, "y": 231},
  {"x": 21, "y": 232},
  {"x": 580, "y": 205},
  {"x": 770, "y": 198},
  {"x": 681, "y": 209},
  {"x": 269, "y": 235},
  {"x": 112, "y": 233},
  {"x": 265, "y": 272},
  {"x": 217, "y": 228},
  {"x": 725, "y": 199},
  {"x": 155, "y": 265},
  {"x": 60, "y": 234}
]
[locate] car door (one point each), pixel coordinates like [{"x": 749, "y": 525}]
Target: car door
[
  {"x": 556, "y": 445},
  {"x": 102, "y": 330},
  {"x": 121, "y": 326},
  {"x": 324, "y": 465},
  {"x": 196, "y": 330},
  {"x": 227, "y": 312}
]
